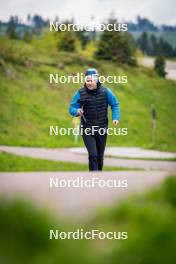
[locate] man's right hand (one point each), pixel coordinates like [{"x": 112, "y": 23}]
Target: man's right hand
[{"x": 80, "y": 111}]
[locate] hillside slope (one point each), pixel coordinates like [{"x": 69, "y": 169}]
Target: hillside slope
[{"x": 29, "y": 104}]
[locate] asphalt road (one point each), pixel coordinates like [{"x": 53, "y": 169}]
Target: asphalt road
[
  {"x": 170, "y": 66},
  {"x": 76, "y": 203},
  {"x": 69, "y": 156}
]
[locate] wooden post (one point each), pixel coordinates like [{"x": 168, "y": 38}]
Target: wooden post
[
  {"x": 76, "y": 123},
  {"x": 153, "y": 112}
]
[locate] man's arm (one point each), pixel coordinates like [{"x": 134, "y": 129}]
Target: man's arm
[
  {"x": 113, "y": 102},
  {"x": 74, "y": 105}
]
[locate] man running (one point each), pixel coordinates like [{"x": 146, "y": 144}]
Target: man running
[{"x": 91, "y": 103}]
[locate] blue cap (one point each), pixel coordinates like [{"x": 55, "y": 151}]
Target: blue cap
[{"x": 92, "y": 72}]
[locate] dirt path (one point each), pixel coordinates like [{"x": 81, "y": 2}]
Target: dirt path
[
  {"x": 76, "y": 203},
  {"x": 68, "y": 156}
]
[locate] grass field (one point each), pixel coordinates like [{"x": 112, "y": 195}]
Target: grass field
[
  {"x": 29, "y": 104},
  {"x": 14, "y": 163}
]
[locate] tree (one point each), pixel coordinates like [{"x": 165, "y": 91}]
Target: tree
[
  {"x": 38, "y": 23},
  {"x": 160, "y": 66},
  {"x": 154, "y": 45},
  {"x": 143, "y": 43},
  {"x": 0, "y": 27},
  {"x": 27, "y": 37},
  {"x": 66, "y": 41},
  {"x": 165, "y": 48},
  {"x": 11, "y": 28},
  {"x": 145, "y": 24},
  {"x": 115, "y": 46},
  {"x": 83, "y": 37},
  {"x": 29, "y": 19}
]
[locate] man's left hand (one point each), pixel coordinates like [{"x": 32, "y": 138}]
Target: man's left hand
[{"x": 115, "y": 122}]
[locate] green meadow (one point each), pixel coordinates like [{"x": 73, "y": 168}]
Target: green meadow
[
  {"x": 14, "y": 163},
  {"x": 29, "y": 104}
]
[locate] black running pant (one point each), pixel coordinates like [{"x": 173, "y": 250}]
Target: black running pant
[{"x": 95, "y": 145}]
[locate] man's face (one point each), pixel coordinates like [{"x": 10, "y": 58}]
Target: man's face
[{"x": 91, "y": 82}]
